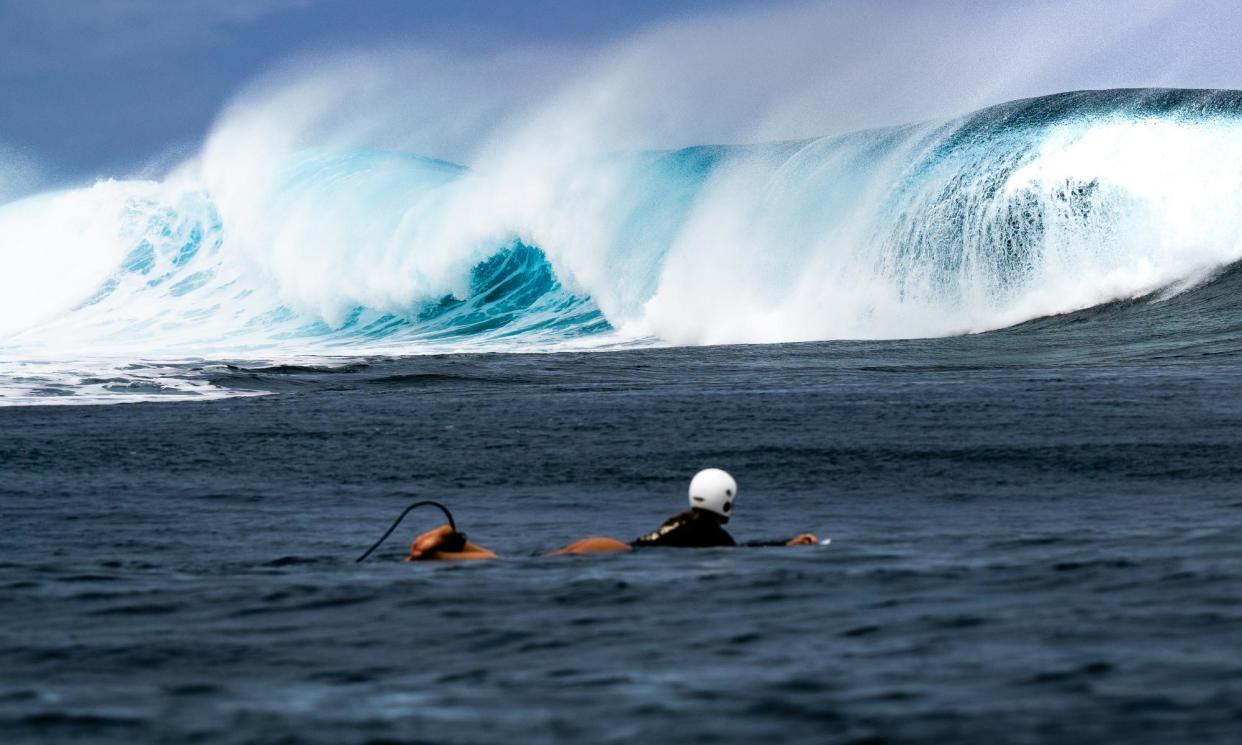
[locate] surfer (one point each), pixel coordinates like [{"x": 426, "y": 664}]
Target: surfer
[{"x": 712, "y": 492}]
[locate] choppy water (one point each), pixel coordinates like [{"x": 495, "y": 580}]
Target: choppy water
[{"x": 1035, "y": 539}]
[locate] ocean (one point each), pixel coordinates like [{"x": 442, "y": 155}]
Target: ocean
[{"x": 1033, "y": 507}]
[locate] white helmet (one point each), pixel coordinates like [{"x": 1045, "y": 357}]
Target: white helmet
[{"x": 713, "y": 490}]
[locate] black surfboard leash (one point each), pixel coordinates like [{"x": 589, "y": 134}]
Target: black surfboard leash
[{"x": 458, "y": 539}]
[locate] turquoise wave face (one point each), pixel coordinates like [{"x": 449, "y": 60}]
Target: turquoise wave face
[
  {"x": 1019, "y": 211},
  {"x": 514, "y": 294}
]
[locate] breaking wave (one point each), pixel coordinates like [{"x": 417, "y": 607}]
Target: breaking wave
[{"x": 1024, "y": 210}]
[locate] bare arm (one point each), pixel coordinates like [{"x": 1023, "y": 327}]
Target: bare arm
[
  {"x": 802, "y": 539},
  {"x": 430, "y": 547}
]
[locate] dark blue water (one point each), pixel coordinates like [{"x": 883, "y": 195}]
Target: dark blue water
[{"x": 1035, "y": 539}]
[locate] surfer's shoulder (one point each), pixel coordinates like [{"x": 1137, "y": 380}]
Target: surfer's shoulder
[
  {"x": 692, "y": 528},
  {"x": 668, "y": 526}
]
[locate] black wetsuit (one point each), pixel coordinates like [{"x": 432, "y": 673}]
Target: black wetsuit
[{"x": 694, "y": 529}]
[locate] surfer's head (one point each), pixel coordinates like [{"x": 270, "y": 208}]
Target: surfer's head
[{"x": 713, "y": 490}]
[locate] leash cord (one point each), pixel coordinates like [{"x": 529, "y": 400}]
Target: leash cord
[{"x": 391, "y": 528}]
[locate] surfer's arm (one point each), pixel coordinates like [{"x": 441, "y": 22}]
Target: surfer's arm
[
  {"x": 432, "y": 545},
  {"x": 802, "y": 539}
]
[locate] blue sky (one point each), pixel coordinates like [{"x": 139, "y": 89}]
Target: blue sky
[
  {"x": 94, "y": 85},
  {"x": 102, "y": 87}
]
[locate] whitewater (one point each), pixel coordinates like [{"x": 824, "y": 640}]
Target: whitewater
[{"x": 257, "y": 249}]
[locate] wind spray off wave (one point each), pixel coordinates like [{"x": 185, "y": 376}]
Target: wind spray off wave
[{"x": 1027, "y": 209}]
